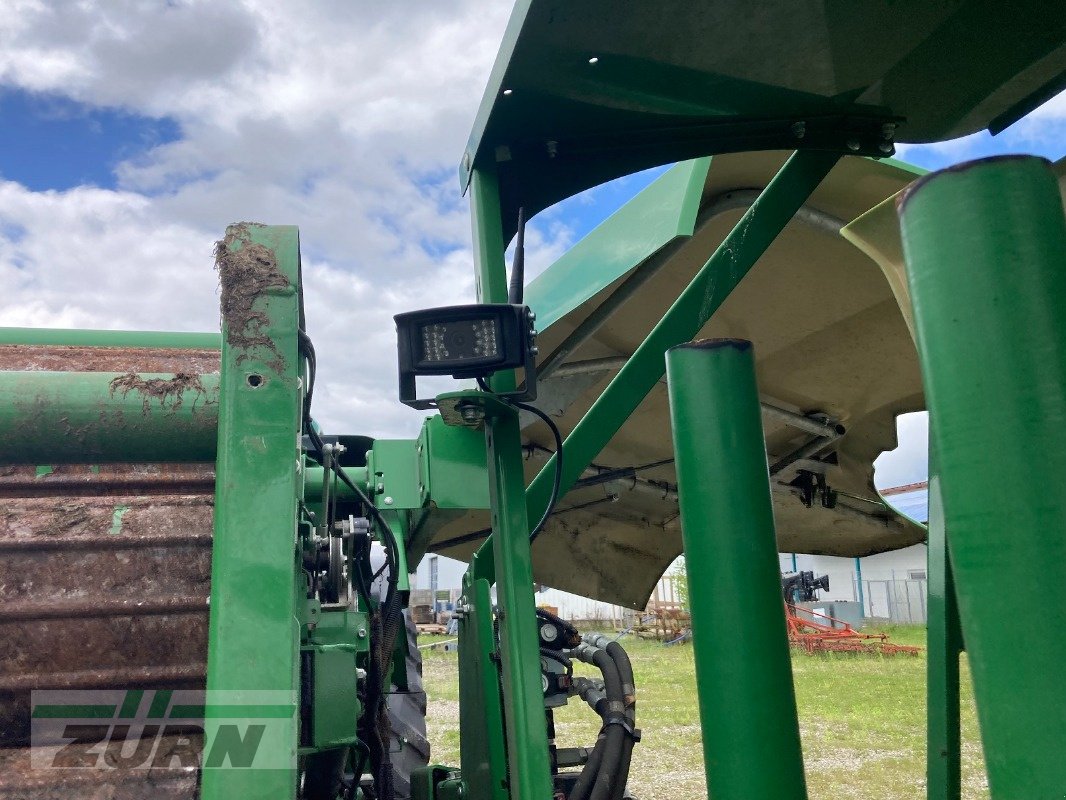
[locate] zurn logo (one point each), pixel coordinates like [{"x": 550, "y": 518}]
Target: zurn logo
[{"x": 163, "y": 729}]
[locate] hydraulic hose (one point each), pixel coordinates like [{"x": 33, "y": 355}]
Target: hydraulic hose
[
  {"x": 629, "y": 691},
  {"x": 598, "y": 778}
]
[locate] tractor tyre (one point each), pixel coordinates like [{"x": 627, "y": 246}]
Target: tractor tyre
[{"x": 409, "y": 746}]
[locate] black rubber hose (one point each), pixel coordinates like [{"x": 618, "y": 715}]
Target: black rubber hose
[
  {"x": 607, "y": 777},
  {"x": 629, "y": 691},
  {"x": 597, "y": 785},
  {"x": 588, "y": 772}
]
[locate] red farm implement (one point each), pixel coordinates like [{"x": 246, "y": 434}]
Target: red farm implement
[{"x": 820, "y": 633}]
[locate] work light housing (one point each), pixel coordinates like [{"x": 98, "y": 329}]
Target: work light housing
[{"x": 470, "y": 341}]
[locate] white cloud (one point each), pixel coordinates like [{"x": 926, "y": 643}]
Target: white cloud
[
  {"x": 908, "y": 463},
  {"x": 348, "y": 120}
]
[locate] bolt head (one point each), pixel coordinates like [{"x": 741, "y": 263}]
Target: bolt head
[
  {"x": 472, "y": 414},
  {"x": 853, "y": 145},
  {"x": 388, "y": 501},
  {"x": 361, "y": 633}
]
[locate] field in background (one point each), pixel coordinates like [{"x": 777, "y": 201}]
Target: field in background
[{"x": 862, "y": 720}]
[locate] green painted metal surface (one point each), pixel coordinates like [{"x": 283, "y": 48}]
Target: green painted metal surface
[
  {"x": 64, "y": 337},
  {"x": 313, "y": 483},
  {"x": 394, "y": 465},
  {"x": 453, "y": 466},
  {"x": 751, "y": 741},
  {"x": 523, "y": 702},
  {"x": 483, "y": 753},
  {"x": 527, "y": 741},
  {"x": 944, "y": 645},
  {"x": 79, "y": 417},
  {"x": 582, "y": 94},
  {"x": 254, "y": 634},
  {"x": 452, "y": 478},
  {"x": 753, "y": 233},
  {"x": 985, "y": 245},
  {"x": 664, "y": 211},
  {"x": 491, "y": 272},
  {"x": 335, "y": 642}
]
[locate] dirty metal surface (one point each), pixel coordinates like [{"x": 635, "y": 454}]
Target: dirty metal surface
[
  {"x": 20, "y": 781},
  {"x": 104, "y": 578},
  {"x": 62, "y": 358}
]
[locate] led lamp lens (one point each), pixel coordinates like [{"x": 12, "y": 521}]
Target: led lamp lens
[{"x": 459, "y": 341}]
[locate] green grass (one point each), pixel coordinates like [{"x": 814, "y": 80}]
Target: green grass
[{"x": 862, "y": 721}]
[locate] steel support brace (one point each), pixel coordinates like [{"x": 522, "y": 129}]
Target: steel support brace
[
  {"x": 751, "y": 740},
  {"x": 254, "y": 636},
  {"x": 985, "y": 245},
  {"x": 944, "y": 645},
  {"x": 529, "y": 769},
  {"x": 738, "y": 252}
]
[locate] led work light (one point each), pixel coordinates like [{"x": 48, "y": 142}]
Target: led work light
[{"x": 465, "y": 342}]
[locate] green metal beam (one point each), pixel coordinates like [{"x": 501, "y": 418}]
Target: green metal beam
[
  {"x": 95, "y": 417},
  {"x": 944, "y": 645},
  {"x": 483, "y": 755},
  {"x": 527, "y": 739},
  {"x": 254, "y": 633},
  {"x": 751, "y": 739},
  {"x": 529, "y": 769},
  {"x": 737, "y": 253},
  {"x": 63, "y": 337},
  {"x": 985, "y": 245}
]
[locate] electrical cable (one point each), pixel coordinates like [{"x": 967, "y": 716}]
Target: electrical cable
[{"x": 558, "y": 480}]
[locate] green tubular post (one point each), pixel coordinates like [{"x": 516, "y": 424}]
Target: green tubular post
[
  {"x": 529, "y": 770},
  {"x": 253, "y": 633},
  {"x": 751, "y": 740},
  {"x": 62, "y": 337},
  {"x": 527, "y": 738},
  {"x": 81, "y": 417},
  {"x": 985, "y": 245},
  {"x": 737, "y": 253},
  {"x": 491, "y": 275},
  {"x": 944, "y": 645}
]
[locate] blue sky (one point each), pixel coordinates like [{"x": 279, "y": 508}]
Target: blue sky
[{"x": 48, "y": 141}]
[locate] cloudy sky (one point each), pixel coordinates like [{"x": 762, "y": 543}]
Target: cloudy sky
[{"x": 133, "y": 132}]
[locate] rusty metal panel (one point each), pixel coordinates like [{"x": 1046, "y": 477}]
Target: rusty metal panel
[
  {"x": 59, "y": 358},
  {"x": 104, "y": 581}
]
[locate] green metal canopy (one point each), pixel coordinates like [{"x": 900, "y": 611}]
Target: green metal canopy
[
  {"x": 583, "y": 92},
  {"x": 831, "y": 338}
]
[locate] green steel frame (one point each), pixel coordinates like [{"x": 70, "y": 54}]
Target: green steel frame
[
  {"x": 254, "y": 636},
  {"x": 505, "y": 557}
]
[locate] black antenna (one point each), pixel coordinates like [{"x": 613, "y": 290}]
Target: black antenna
[{"x": 518, "y": 267}]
